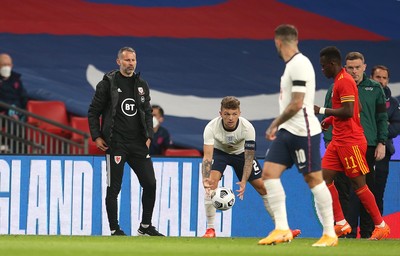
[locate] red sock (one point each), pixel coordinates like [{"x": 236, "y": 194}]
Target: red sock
[
  {"x": 337, "y": 207},
  {"x": 369, "y": 203}
]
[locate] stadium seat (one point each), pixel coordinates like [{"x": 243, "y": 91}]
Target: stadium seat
[
  {"x": 182, "y": 152},
  {"x": 53, "y": 110},
  {"x": 81, "y": 123}
]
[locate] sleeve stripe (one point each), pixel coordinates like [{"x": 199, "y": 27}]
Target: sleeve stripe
[
  {"x": 347, "y": 98},
  {"x": 299, "y": 83}
]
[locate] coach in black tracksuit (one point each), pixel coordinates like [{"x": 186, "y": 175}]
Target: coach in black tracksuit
[{"x": 122, "y": 100}]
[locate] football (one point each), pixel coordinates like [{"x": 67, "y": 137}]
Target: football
[{"x": 223, "y": 198}]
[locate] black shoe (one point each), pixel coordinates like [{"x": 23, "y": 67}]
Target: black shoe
[
  {"x": 118, "y": 232},
  {"x": 149, "y": 231}
]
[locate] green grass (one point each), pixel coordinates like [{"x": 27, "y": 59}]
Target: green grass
[{"x": 134, "y": 246}]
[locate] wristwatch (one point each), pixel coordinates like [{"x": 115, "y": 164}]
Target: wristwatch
[{"x": 382, "y": 142}]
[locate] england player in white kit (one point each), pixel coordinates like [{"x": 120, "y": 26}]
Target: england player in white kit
[
  {"x": 229, "y": 140},
  {"x": 295, "y": 136}
]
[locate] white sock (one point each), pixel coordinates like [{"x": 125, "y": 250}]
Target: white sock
[
  {"x": 381, "y": 225},
  {"x": 267, "y": 207},
  {"x": 210, "y": 211},
  {"x": 324, "y": 208},
  {"x": 277, "y": 202}
]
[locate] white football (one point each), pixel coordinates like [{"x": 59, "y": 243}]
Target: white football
[{"x": 223, "y": 198}]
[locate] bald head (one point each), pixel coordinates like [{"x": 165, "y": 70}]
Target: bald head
[{"x": 5, "y": 60}]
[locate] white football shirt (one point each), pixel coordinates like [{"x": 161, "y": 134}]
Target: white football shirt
[
  {"x": 299, "y": 76},
  {"x": 231, "y": 142}
]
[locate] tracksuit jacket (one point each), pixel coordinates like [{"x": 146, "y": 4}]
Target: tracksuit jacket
[{"x": 104, "y": 104}]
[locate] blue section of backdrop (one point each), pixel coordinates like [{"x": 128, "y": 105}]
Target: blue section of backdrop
[{"x": 55, "y": 69}]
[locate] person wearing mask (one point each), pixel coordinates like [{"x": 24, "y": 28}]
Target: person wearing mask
[
  {"x": 12, "y": 90},
  {"x": 161, "y": 139}
]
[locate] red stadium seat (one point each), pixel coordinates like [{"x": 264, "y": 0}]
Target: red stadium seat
[
  {"x": 53, "y": 110},
  {"x": 182, "y": 152},
  {"x": 81, "y": 123}
]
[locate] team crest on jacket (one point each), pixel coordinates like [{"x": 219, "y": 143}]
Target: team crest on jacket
[
  {"x": 140, "y": 90},
  {"x": 117, "y": 159}
]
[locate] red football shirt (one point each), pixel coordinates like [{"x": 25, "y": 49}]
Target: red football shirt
[{"x": 346, "y": 131}]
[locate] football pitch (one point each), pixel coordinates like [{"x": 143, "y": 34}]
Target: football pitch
[{"x": 11, "y": 245}]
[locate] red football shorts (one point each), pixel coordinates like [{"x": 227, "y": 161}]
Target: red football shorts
[{"x": 350, "y": 159}]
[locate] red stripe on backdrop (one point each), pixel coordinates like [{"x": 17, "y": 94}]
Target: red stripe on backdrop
[{"x": 247, "y": 19}]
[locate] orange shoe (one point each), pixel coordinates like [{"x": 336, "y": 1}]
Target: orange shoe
[
  {"x": 380, "y": 233},
  {"x": 326, "y": 241},
  {"x": 295, "y": 232},
  {"x": 210, "y": 233},
  {"x": 277, "y": 236},
  {"x": 342, "y": 230}
]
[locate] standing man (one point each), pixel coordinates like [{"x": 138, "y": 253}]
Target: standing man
[
  {"x": 295, "y": 136},
  {"x": 230, "y": 140},
  {"x": 374, "y": 122},
  {"x": 346, "y": 152},
  {"x": 380, "y": 74},
  {"x": 122, "y": 99}
]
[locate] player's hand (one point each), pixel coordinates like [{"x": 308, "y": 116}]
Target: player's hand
[
  {"x": 326, "y": 123},
  {"x": 242, "y": 188},
  {"x": 270, "y": 133},
  {"x": 316, "y": 109}
]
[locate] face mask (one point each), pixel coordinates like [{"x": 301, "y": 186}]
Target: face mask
[
  {"x": 155, "y": 122},
  {"x": 5, "y": 71}
]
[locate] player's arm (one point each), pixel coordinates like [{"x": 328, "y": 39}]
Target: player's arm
[
  {"x": 249, "y": 154},
  {"x": 206, "y": 165},
  {"x": 294, "y": 106},
  {"x": 345, "y": 111}
]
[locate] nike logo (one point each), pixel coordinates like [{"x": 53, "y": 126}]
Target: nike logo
[
  {"x": 302, "y": 166},
  {"x": 256, "y": 173}
]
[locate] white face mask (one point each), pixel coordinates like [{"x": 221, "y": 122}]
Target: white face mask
[
  {"x": 5, "y": 71},
  {"x": 155, "y": 122}
]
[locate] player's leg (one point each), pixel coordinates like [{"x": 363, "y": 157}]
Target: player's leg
[
  {"x": 331, "y": 165},
  {"x": 324, "y": 208},
  {"x": 366, "y": 222},
  {"x": 357, "y": 171},
  {"x": 346, "y": 194},
  {"x": 277, "y": 160},
  {"x": 276, "y": 203},
  {"x": 307, "y": 157},
  {"x": 367, "y": 199},
  {"x": 215, "y": 176},
  {"x": 220, "y": 161}
]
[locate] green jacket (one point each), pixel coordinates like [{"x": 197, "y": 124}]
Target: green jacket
[{"x": 374, "y": 118}]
